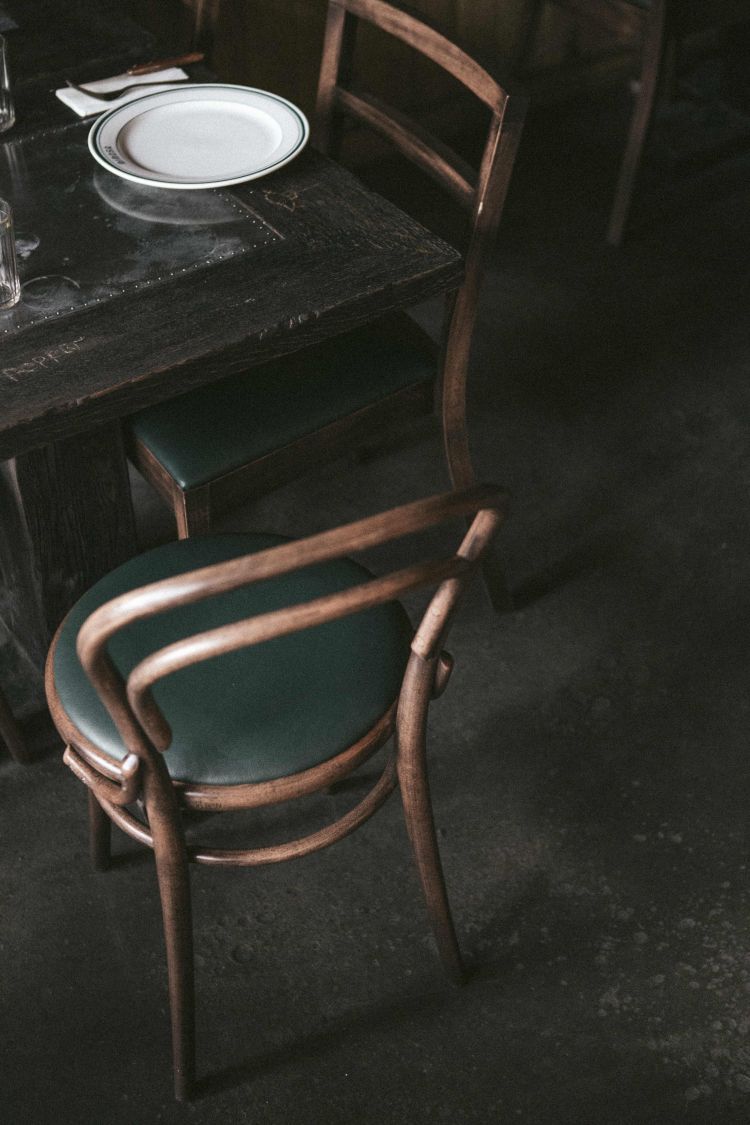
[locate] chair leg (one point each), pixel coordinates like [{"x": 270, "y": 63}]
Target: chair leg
[
  {"x": 100, "y": 831},
  {"x": 415, "y": 795},
  {"x": 174, "y": 890},
  {"x": 458, "y": 456},
  {"x": 192, "y": 512},
  {"x": 654, "y": 49},
  {"x": 10, "y": 732}
]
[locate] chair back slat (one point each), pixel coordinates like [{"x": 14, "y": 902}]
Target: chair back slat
[
  {"x": 222, "y": 578},
  {"x": 429, "y": 152},
  {"x": 413, "y": 31},
  {"x": 482, "y": 193}
]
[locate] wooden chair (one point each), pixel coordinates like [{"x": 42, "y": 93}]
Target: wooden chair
[
  {"x": 252, "y": 433},
  {"x": 302, "y": 668},
  {"x": 659, "y": 27}
]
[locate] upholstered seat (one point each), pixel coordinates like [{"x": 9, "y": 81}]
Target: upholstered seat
[
  {"x": 261, "y": 713},
  {"x": 219, "y": 428}
]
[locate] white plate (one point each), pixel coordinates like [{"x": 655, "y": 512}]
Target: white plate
[{"x": 206, "y": 135}]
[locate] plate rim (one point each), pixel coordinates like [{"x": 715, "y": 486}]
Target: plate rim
[{"x": 112, "y": 167}]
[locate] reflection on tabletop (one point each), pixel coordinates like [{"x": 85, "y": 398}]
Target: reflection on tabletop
[{"x": 85, "y": 235}]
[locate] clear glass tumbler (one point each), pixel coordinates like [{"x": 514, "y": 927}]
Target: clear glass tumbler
[
  {"x": 10, "y": 283},
  {"x": 7, "y": 112}
]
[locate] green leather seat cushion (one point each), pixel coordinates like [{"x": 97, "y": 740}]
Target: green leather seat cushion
[
  {"x": 264, "y": 712},
  {"x": 209, "y": 432}
]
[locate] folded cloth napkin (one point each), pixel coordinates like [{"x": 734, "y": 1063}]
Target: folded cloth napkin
[{"x": 84, "y": 106}]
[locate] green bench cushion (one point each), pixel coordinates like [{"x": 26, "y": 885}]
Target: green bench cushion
[
  {"x": 262, "y": 713},
  {"x": 209, "y": 432}
]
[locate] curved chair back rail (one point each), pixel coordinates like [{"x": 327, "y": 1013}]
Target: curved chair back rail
[{"x": 131, "y": 705}]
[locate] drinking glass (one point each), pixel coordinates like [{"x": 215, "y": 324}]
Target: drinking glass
[
  {"x": 10, "y": 284},
  {"x": 7, "y": 112}
]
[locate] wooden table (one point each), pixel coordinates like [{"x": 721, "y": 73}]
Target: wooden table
[{"x": 323, "y": 255}]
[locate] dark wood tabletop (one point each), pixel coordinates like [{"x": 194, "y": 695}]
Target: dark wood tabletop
[
  {"x": 334, "y": 255},
  {"x": 308, "y": 252}
]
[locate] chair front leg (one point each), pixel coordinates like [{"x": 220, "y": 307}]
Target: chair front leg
[
  {"x": 173, "y": 876},
  {"x": 100, "y": 832},
  {"x": 192, "y": 511},
  {"x": 415, "y": 795}
]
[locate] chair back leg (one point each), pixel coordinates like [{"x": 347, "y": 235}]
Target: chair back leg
[
  {"x": 458, "y": 457},
  {"x": 415, "y": 796}
]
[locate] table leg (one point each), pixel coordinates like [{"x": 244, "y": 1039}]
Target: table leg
[{"x": 67, "y": 517}]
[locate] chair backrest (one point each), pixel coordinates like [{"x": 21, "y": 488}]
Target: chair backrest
[
  {"x": 482, "y": 193},
  {"x": 132, "y": 705}
]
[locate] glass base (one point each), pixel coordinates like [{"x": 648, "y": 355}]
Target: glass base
[
  {"x": 49, "y": 292},
  {"x": 9, "y": 296}
]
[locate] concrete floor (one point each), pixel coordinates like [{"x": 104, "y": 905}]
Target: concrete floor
[{"x": 589, "y": 762}]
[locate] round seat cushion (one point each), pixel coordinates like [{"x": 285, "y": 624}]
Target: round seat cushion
[{"x": 264, "y": 712}]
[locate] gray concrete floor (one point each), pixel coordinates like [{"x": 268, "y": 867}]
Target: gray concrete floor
[{"x": 589, "y": 762}]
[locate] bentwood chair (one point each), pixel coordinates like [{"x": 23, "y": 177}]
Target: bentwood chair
[
  {"x": 250, "y": 434},
  {"x": 235, "y": 671},
  {"x": 659, "y": 27}
]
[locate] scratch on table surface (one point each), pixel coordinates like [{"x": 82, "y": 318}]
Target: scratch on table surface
[
  {"x": 42, "y": 361},
  {"x": 286, "y": 199}
]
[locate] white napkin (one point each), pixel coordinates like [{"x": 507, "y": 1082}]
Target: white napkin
[{"x": 84, "y": 106}]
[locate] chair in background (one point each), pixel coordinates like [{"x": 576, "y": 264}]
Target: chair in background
[
  {"x": 166, "y": 693},
  {"x": 659, "y": 27},
  {"x": 252, "y": 433}
]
